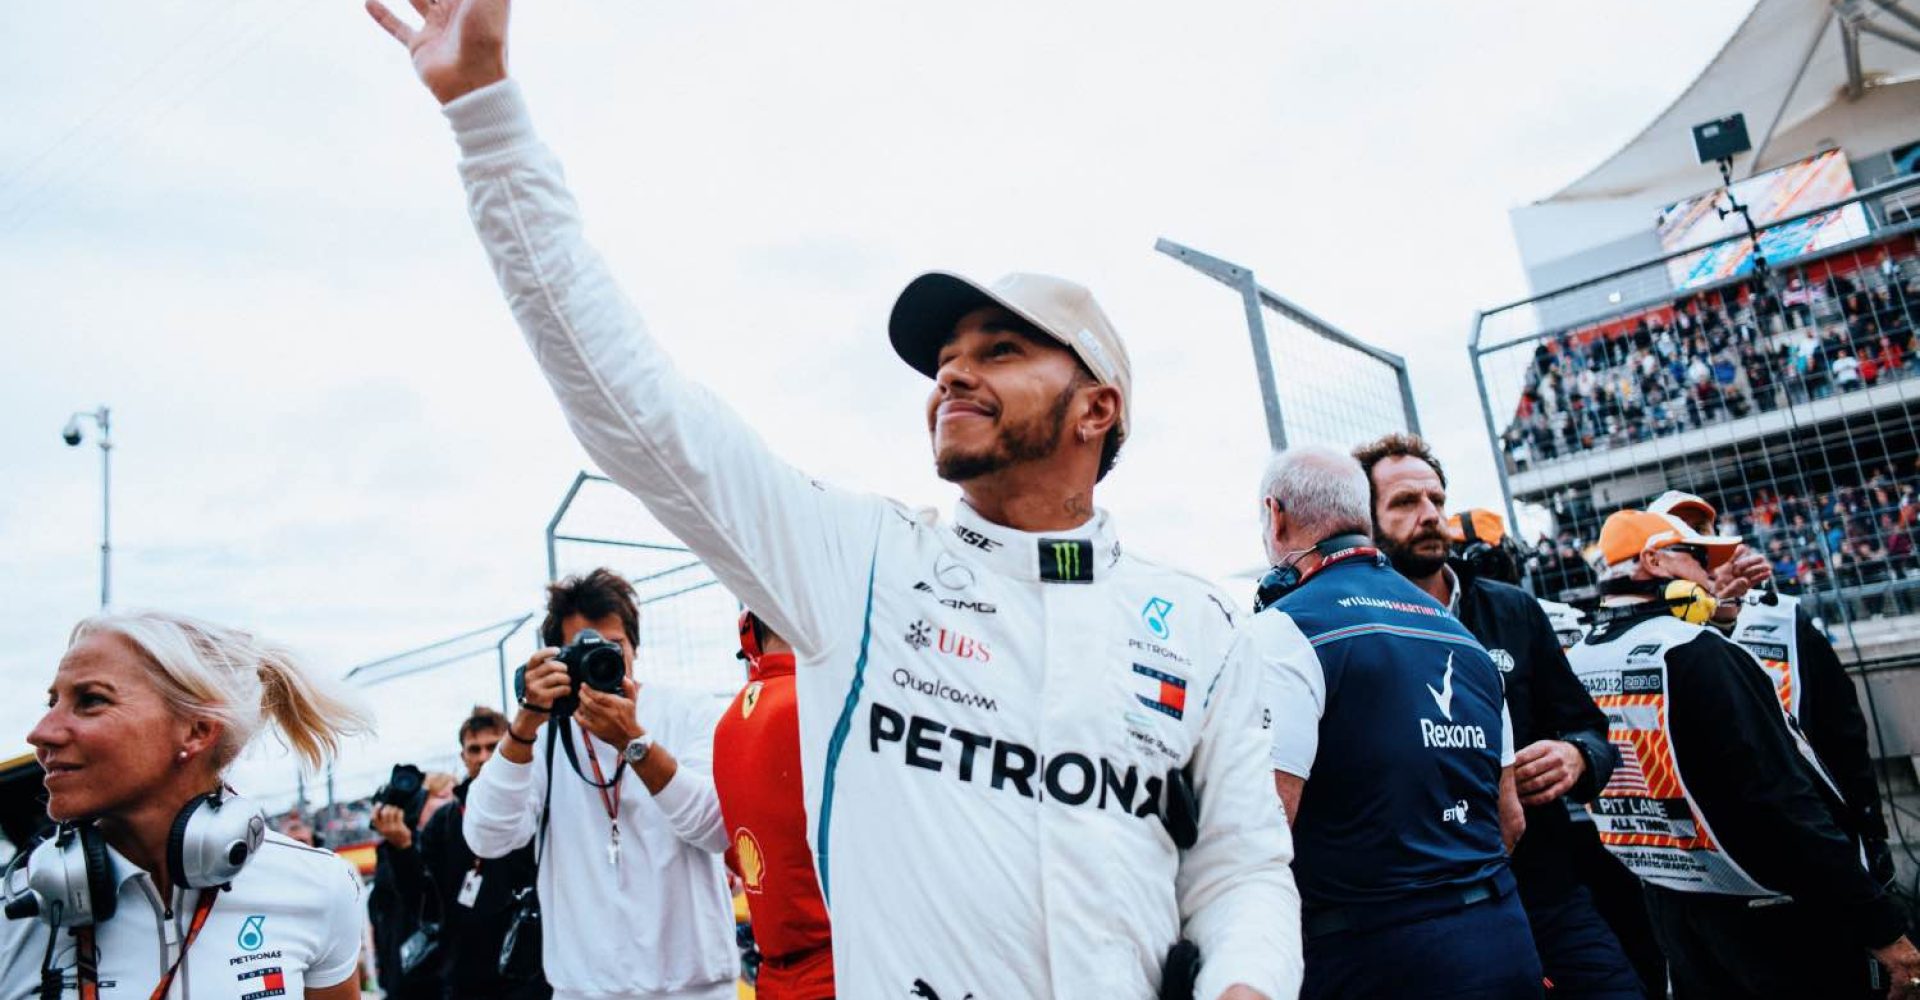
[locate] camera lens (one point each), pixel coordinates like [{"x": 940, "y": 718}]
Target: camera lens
[{"x": 603, "y": 669}]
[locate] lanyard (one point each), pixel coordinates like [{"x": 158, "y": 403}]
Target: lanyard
[
  {"x": 89, "y": 970},
  {"x": 609, "y": 797},
  {"x": 1356, "y": 552}
]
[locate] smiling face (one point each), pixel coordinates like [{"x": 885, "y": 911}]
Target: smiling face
[
  {"x": 1003, "y": 394},
  {"x": 109, "y": 739}
]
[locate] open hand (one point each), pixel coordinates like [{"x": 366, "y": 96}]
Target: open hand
[
  {"x": 1746, "y": 570},
  {"x": 1547, "y": 769},
  {"x": 460, "y": 47}
]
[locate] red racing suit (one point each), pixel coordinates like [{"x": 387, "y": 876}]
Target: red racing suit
[{"x": 756, "y": 769}]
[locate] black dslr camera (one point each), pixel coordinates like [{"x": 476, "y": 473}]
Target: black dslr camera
[
  {"x": 406, "y": 789},
  {"x": 591, "y": 662}
]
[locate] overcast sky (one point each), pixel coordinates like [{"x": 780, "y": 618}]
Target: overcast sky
[{"x": 237, "y": 223}]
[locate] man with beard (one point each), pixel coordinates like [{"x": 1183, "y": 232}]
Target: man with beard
[
  {"x": 1561, "y": 735},
  {"x": 1390, "y": 752},
  {"x": 1033, "y": 762}
]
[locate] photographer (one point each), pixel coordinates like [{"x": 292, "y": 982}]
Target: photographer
[
  {"x": 401, "y": 807},
  {"x": 472, "y": 898},
  {"x": 627, "y": 836}
]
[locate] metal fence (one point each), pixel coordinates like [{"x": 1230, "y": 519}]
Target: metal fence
[
  {"x": 1374, "y": 397},
  {"x": 1788, "y": 402},
  {"x": 688, "y": 621}
]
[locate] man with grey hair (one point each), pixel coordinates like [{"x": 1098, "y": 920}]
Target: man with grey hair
[{"x": 1390, "y": 743}]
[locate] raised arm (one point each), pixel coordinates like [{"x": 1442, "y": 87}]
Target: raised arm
[{"x": 787, "y": 546}]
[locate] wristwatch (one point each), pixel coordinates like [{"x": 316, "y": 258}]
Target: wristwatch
[{"x": 637, "y": 750}]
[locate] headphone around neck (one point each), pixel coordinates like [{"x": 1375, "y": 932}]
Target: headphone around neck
[
  {"x": 71, "y": 881},
  {"x": 1683, "y": 599},
  {"x": 1286, "y": 578}
]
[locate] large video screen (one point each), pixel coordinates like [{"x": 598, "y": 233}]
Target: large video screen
[{"x": 1774, "y": 195}]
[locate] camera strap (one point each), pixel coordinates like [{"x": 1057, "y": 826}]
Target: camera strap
[
  {"x": 563, "y": 728},
  {"x": 546, "y": 801}
]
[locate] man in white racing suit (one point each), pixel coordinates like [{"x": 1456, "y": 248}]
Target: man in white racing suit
[{"x": 1005, "y": 718}]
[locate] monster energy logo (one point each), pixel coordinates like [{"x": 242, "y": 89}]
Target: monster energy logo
[{"x": 1066, "y": 560}]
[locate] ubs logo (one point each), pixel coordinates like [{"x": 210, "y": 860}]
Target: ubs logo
[{"x": 922, "y": 635}]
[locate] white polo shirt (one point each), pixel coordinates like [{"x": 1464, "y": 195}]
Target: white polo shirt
[{"x": 291, "y": 921}]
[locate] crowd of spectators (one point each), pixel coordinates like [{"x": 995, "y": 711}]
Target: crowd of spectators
[
  {"x": 1719, "y": 355},
  {"x": 1848, "y": 536}
]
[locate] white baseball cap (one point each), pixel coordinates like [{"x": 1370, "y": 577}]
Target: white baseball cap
[{"x": 927, "y": 309}]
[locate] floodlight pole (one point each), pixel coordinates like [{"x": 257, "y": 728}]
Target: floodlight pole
[
  {"x": 71, "y": 434},
  {"x": 1241, "y": 279}
]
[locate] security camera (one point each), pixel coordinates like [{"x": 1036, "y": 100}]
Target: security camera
[{"x": 71, "y": 433}]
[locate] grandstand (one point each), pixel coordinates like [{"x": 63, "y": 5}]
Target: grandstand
[{"x": 1655, "y": 354}]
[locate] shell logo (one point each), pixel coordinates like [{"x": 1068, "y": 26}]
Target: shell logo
[
  {"x": 749, "y": 700},
  {"x": 752, "y": 860}
]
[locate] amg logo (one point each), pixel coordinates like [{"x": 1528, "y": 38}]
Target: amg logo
[{"x": 1446, "y": 736}]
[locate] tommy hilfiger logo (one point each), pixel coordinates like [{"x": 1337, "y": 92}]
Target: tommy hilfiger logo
[
  {"x": 1066, "y": 560},
  {"x": 269, "y": 982}
]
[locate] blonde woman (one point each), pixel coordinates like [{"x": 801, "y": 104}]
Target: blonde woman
[{"x": 159, "y": 873}]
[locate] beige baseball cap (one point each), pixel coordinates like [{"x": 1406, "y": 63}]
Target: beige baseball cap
[{"x": 924, "y": 315}]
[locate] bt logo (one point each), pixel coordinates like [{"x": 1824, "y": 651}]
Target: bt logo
[{"x": 1155, "y": 616}]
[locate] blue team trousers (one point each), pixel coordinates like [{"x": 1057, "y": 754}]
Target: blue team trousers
[
  {"x": 1481, "y": 952},
  {"x": 1581, "y": 957}
]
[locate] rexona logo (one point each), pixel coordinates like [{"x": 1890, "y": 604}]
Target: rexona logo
[
  {"x": 1448, "y": 735},
  {"x": 1155, "y": 616},
  {"x": 1066, "y": 560},
  {"x": 1074, "y": 779},
  {"x": 921, "y": 635}
]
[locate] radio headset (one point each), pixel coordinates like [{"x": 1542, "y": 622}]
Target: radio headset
[
  {"x": 1683, "y": 599},
  {"x": 1477, "y": 553},
  {"x": 72, "y": 882},
  {"x": 1286, "y": 578}
]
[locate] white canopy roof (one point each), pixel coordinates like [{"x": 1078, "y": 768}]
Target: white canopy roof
[{"x": 1788, "y": 62}]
